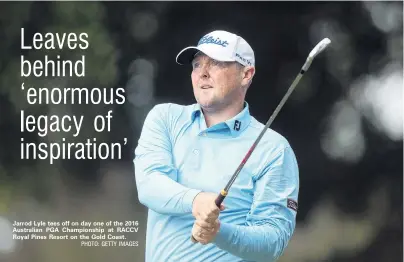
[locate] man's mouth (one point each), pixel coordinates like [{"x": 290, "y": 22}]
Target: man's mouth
[{"x": 206, "y": 87}]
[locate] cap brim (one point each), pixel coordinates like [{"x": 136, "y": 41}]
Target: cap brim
[{"x": 186, "y": 55}]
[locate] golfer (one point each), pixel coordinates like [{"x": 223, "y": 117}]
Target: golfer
[{"x": 187, "y": 153}]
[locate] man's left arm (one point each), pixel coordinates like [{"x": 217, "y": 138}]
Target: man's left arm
[{"x": 272, "y": 219}]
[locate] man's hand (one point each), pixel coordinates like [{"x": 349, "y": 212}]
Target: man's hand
[
  {"x": 204, "y": 207},
  {"x": 206, "y": 215},
  {"x": 205, "y": 232}
]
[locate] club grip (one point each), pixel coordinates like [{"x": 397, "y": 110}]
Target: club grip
[{"x": 220, "y": 198}]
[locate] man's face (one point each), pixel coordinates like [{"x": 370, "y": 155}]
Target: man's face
[{"x": 217, "y": 84}]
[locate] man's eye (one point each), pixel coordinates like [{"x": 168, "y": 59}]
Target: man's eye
[{"x": 195, "y": 65}]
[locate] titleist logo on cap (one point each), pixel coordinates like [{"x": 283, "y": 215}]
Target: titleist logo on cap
[{"x": 210, "y": 40}]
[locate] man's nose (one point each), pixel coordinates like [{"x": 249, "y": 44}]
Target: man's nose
[{"x": 204, "y": 72}]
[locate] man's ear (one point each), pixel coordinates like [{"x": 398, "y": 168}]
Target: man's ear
[{"x": 248, "y": 74}]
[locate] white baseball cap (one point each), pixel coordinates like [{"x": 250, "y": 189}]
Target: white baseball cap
[{"x": 222, "y": 46}]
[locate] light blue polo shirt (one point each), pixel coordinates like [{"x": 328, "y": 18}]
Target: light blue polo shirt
[{"x": 178, "y": 156}]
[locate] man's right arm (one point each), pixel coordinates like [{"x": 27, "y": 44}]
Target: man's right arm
[{"x": 155, "y": 171}]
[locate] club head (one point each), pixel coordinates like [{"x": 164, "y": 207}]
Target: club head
[
  {"x": 319, "y": 47},
  {"x": 316, "y": 50}
]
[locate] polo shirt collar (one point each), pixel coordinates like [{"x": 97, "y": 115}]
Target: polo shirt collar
[
  {"x": 240, "y": 122},
  {"x": 236, "y": 125}
]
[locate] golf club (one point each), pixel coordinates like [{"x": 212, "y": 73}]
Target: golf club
[{"x": 316, "y": 50}]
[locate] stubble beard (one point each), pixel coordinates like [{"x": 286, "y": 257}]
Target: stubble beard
[{"x": 214, "y": 102}]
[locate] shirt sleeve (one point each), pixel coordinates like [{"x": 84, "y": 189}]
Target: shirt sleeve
[
  {"x": 272, "y": 219},
  {"x": 155, "y": 172}
]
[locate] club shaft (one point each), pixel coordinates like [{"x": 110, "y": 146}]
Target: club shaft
[{"x": 223, "y": 194}]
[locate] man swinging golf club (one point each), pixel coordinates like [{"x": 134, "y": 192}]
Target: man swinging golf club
[{"x": 187, "y": 154}]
